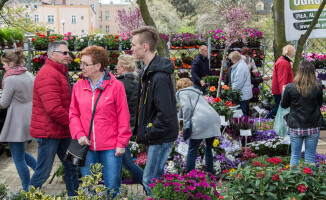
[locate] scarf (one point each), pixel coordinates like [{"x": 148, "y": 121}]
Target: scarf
[{"x": 13, "y": 71}]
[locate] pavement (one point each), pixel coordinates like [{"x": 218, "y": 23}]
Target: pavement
[{"x": 56, "y": 186}]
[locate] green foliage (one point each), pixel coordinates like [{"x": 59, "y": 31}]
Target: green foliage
[
  {"x": 18, "y": 195},
  {"x": 3, "y": 190},
  {"x": 276, "y": 181},
  {"x": 211, "y": 80},
  {"x": 125, "y": 174},
  {"x": 18, "y": 35},
  {"x": 186, "y": 29},
  {"x": 223, "y": 110},
  {"x": 8, "y": 35},
  {"x": 233, "y": 95},
  {"x": 60, "y": 172}
]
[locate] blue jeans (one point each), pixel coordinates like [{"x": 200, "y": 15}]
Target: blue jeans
[
  {"x": 273, "y": 113},
  {"x": 22, "y": 159},
  {"x": 127, "y": 163},
  {"x": 243, "y": 106},
  {"x": 111, "y": 168},
  {"x": 310, "y": 148},
  {"x": 192, "y": 154},
  {"x": 157, "y": 155},
  {"x": 47, "y": 150}
]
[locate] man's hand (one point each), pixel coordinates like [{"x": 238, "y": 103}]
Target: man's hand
[
  {"x": 119, "y": 151},
  {"x": 84, "y": 140},
  {"x": 254, "y": 71},
  {"x": 265, "y": 78},
  {"x": 202, "y": 83}
]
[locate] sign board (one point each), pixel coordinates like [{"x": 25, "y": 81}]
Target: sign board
[
  {"x": 182, "y": 148},
  {"x": 298, "y": 15},
  {"x": 259, "y": 110},
  {"x": 223, "y": 122},
  {"x": 246, "y": 132},
  {"x": 238, "y": 113}
]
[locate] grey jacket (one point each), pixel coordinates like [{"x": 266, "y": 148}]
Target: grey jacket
[
  {"x": 206, "y": 122},
  {"x": 17, "y": 97},
  {"x": 240, "y": 79}
]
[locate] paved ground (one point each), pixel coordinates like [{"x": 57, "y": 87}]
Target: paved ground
[{"x": 55, "y": 185}]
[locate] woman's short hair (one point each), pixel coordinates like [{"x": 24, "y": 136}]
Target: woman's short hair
[
  {"x": 127, "y": 61},
  {"x": 183, "y": 83},
  {"x": 288, "y": 49},
  {"x": 235, "y": 55},
  {"x": 98, "y": 55},
  {"x": 15, "y": 56},
  {"x": 245, "y": 51}
]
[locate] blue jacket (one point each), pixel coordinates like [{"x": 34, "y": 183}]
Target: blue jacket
[
  {"x": 240, "y": 79},
  {"x": 199, "y": 69}
]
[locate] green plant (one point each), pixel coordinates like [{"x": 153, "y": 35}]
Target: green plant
[
  {"x": 113, "y": 59},
  {"x": 2, "y": 37},
  {"x": 60, "y": 172},
  {"x": 125, "y": 174},
  {"x": 270, "y": 147},
  {"x": 40, "y": 41},
  {"x": 18, "y": 35},
  {"x": 211, "y": 80},
  {"x": 8, "y": 35},
  {"x": 82, "y": 41},
  {"x": 233, "y": 95},
  {"x": 186, "y": 59},
  {"x": 3, "y": 191},
  {"x": 126, "y": 43},
  {"x": 100, "y": 40},
  {"x": 222, "y": 108},
  {"x": 276, "y": 181},
  {"x": 113, "y": 41},
  {"x": 18, "y": 196}
]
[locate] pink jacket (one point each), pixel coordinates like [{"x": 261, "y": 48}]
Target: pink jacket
[{"x": 111, "y": 128}]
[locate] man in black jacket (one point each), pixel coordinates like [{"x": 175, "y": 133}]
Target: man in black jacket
[
  {"x": 200, "y": 68},
  {"x": 156, "y": 121}
]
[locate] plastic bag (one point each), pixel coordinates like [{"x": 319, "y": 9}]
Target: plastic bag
[{"x": 280, "y": 126}]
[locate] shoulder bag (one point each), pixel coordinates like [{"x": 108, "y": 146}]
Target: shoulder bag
[
  {"x": 187, "y": 128},
  {"x": 76, "y": 153}
]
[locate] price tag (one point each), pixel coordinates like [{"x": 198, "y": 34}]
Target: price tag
[
  {"x": 238, "y": 113},
  {"x": 182, "y": 148},
  {"x": 323, "y": 82},
  {"x": 223, "y": 122},
  {"x": 259, "y": 110},
  {"x": 245, "y": 132}
]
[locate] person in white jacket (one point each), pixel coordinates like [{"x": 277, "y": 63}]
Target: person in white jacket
[
  {"x": 240, "y": 79},
  {"x": 206, "y": 122}
]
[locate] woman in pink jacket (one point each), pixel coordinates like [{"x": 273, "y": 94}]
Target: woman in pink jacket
[{"x": 111, "y": 129}]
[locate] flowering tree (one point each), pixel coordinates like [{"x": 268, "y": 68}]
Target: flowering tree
[
  {"x": 129, "y": 20},
  {"x": 236, "y": 17}
]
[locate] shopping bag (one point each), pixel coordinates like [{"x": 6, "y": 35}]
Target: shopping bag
[{"x": 280, "y": 126}]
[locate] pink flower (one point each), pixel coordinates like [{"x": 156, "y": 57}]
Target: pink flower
[
  {"x": 65, "y": 38},
  {"x": 71, "y": 38}
]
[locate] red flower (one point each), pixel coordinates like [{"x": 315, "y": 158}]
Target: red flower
[
  {"x": 116, "y": 40},
  {"x": 306, "y": 170},
  {"x": 276, "y": 177},
  {"x": 112, "y": 61},
  {"x": 228, "y": 103},
  {"x": 116, "y": 36},
  {"x": 114, "y": 56},
  {"x": 33, "y": 39},
  {"x": 57, "y": 37},
  {"x": 36, "y": 60},
  {"x": 274, "y": 160},
  {"x": 109, "y": 37},
  {"x": 51, "y": 40},
  {"x": 302, "y": 188},
  {"x": 217, "y": 99}
]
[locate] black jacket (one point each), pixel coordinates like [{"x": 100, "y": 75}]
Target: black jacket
[
  {"x": 129, "y": 80},
  {"x": 199, "y": 69},
  {"x": 156, "y": 121},
  {"x": 304, "y": 111}
]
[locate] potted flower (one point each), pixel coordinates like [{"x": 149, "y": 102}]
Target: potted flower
[
  {"x": 126, "y": 43},
  {"x": 82, "y": 41},
  {"x": 216, "y": 59},
  {"x": 164, "y": 37},
  {"x": 18, "y": 36},
  {"x": 113, "y": 59},
  {"x": 176, "y": 41},
  {"x": 39, "y": 60},
  {"x": 113, "y": 42},
  {"x": 71, "y": 40},
  {"x": 200, "y": 40},
  {"x": 74, "y": 65},
  {"x": 189, "y": 41},
  {"x": 254, "y": 37},
  {"x": 40, "y": 41},
  {"x": 258, "y": 56},
  {"x": 186, "y": 61},
  {"x": 218, "y": 38},
  {"x": 229, "y": 94},
  {"x": 318, "y": 60},
  {"x": 8, "y": 36},
  {"x": 177, "y": 62},
  {"x": 100, "y": 40},
  {"x": 2, "y": 41}
]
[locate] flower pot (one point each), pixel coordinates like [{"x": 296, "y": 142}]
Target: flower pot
[
  {"x": 254, "y": 44},
  {"x": 219, "y": 45},
  {"x": 189, "y": 47},
  {"x": 20, "y": 45},
  {"x": 185, "y": 65},
  {"x": 40, "y": 47},
  {"x": 173, "y": 47},
  {"x": 237, "y": 44},
  {"x": 10, "y": 46}
]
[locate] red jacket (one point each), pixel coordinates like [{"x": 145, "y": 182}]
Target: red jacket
[
  {"x": 282, "y": 75},
  {"x": 51, "y": 100},
  {"x": 111, "y": 125}
]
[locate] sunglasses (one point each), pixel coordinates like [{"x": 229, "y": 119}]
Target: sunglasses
[{"x": 63, "y": 52}]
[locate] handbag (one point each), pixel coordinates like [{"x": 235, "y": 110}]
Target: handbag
[
  {"x": 76, "y": 153},
  {"x": 187, "y": 128}
]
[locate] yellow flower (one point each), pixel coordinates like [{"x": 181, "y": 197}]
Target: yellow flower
[
  {"x": 77, "y": 60},
  {"x": 232, "y": 170},
  {"x": 216, "y": 142}
]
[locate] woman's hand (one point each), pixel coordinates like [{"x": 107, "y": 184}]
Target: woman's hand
[
  {"x": 265, "y": 78},
  {"x": 119, "y": 151},
  {"x": 84, "y": 140}
]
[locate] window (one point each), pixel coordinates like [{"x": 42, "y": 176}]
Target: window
[
  {"x": 107, "y": 29},
  {"x": 93, "y": 6},
  {"x": 259, "y": 7},
  {"x": 82, "y": 31},
  {"x": 36, "y": 18},
  {"x": 26, "y": 6},
  {"x": 27, "y": 16},
  {"x": 107, "y": 16},
  {"x": 73, "y": 19},
  {"x": 35, "y": 6},
  {"x": 82, "y": 17},
  {"x": 256, "y": 19},
  {"x": 50, "y": 19}
]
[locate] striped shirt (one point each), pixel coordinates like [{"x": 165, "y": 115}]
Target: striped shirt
[{"x": 305, "y": 131}]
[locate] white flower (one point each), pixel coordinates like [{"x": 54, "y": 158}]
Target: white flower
[
  {"x": 82, "y": 40},
  {"x": 274, "y": 146},
  {"x": 257, "y": 148},
  {"x": 217, "y": 167}
]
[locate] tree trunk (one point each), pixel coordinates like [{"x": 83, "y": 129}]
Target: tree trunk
[
  {"x": 304, "y": 37},
  {"x": 162, "y": 48},
  {"x": 279, "y": 28},
  {"x": 2, "y": 3}
]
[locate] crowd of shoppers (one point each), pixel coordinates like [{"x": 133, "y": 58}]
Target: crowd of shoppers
[{"x": 106, "y": 112}]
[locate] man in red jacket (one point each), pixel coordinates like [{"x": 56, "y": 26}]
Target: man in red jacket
[
  {"x": 282, "y": 75},
  {"x": 50, "y": 119}
]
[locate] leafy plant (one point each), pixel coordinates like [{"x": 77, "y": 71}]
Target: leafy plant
[
  {"x": 113, "y": 59},
  {"x": 40, "y": 41},
  {"x": 100, "y": 40},
  {"x": 82, "y": 41},
  {"x": 233, "y": 95},
  {"x": 18, "y": 35},
  {"x": 8, "y": 36},
  {"x": 113, "y": 41},
  {"x": 3, "y": 191},
  {"x": 186, "y": 59},
  {"x": 71, "y": 40},
  {"x": 218, "y": 37}
]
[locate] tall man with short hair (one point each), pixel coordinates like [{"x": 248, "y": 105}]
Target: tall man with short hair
[
  {"x": 200, "y": 68},
  {"x": 156, "y": 122},
  {"x": 50, "y": 119}
]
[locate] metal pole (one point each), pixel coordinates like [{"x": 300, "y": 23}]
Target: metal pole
[
  {"x": 209, "y": 46},
  {"x": 29, "y": 55},
  {"x": 264, "y": 47},
  {"x": 305, "y": 50}
]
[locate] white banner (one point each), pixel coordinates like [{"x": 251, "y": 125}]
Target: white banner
[{"x": 298, "y": 15}]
